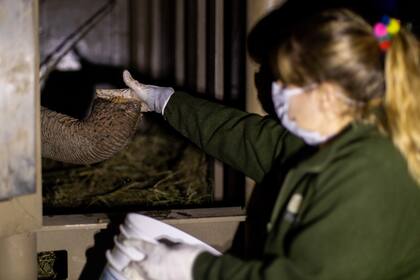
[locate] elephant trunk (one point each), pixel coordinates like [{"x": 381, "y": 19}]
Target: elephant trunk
[{"x": 112, "y": 122}]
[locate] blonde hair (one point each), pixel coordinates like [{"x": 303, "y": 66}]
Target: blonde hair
[
  {"x": 402, "y": 98},
  {"x": 339, "y": 46}
]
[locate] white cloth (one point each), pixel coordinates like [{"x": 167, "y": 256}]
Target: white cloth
[
  {"x": 163, "y": 261},
  {"x": 155, "y": 97},
  {"x": 281, "y": 99}
]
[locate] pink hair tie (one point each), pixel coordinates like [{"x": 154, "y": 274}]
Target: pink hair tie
[
  {"x": 385, "y": 30},
  {"x": 380, "y": 30}
]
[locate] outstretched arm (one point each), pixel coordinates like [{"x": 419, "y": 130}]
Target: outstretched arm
[{"x": 248, "y": 142}]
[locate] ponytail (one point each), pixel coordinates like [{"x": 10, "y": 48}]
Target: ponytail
[{"x": 402, "y": 98}]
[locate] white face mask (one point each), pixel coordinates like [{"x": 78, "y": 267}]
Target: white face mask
[{"x": 281, "y": 99}]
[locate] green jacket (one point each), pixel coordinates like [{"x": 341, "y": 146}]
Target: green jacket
[{"x": 359, "y": 216}]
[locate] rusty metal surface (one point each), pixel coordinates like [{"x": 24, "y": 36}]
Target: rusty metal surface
[
  {"x": 18, "y": 61},
  {"x": 19, "y": 139},
  {"x": 20, "y": 153}
]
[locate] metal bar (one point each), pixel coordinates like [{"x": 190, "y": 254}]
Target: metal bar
[
  {"x": 201, "y": 46},
  {"x": 180, "y": 43},
  {"x": 119, "y": 34},
  {"x": 156, "y": 39},
  {"x": 143, "y": 16},
  {"x": 140, "y": 17},
  {"x": 237, "y": 53},
  {"x": 219, "y": 51},
  {"x": 167, "y": 32},
  {"x": 218, "y": 191},
  {"x": 191, "y": 45}
]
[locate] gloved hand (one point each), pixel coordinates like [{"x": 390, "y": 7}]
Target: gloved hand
[
  {"x": 155, "y": 97},
  {"x": 163, "y": 261}
]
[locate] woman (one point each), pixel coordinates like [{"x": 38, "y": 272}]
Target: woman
[{"x": 345, "y": 157}]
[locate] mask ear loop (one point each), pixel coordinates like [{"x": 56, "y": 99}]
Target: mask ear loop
[
  {"x": 310, "y": 87},
  {"x": 348, "y": 100},
  {"x": 340, "y": 95}
]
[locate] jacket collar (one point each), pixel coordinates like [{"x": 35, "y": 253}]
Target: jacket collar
[{"x": 354, "y": 132}]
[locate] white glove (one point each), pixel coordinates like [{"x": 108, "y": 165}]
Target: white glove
[
  {"x": 163, "y": 261},
  {"x": 155, "y": 97}
]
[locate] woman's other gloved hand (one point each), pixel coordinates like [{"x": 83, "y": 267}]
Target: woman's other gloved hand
[
  {"x": 163, "y": 261},
  {"x": 155, "y": 97}
]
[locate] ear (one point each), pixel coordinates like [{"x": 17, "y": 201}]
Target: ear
[
  {"x": 333, "y": 101},
  {"x": 328, "y": 103}
]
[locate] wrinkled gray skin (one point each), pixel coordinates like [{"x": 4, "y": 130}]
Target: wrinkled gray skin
[{"x": 112, "y": 122}]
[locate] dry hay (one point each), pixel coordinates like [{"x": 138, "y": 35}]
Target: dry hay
[{"x": 158, "y": 169}]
